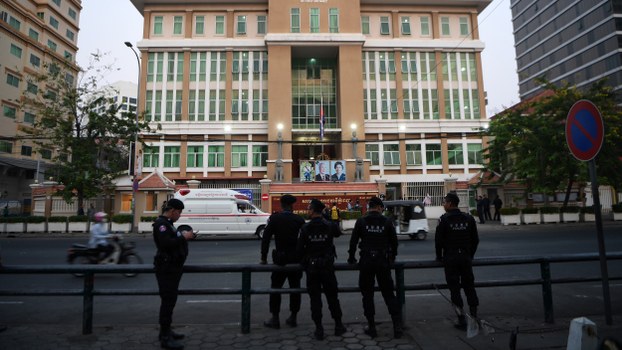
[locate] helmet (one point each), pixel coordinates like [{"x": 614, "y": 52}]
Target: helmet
[{"x": 100, "y": 216}]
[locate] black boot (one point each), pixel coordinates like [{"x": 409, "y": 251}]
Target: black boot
[
  {"x": 398, "y": 331},
  {"x": 173, "y": 335},
  {"x": 462, "y": 323},
  {"x": 168, "y": 342},
  {"x": 370, "y": 330},
  {"x": 273, "y": 322},
  {"x": 473, "y": 311},
  {"x": 291, "y": 320},
  {"x": 340, "y": 329},
  {"x": 319, "y": 332}
]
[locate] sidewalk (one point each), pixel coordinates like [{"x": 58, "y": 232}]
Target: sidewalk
[{"x": 433, "y": 334}]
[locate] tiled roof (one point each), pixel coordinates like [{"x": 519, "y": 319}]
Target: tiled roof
[{"x": 156, "y": 180}]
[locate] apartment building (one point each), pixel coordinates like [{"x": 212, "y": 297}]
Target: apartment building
[
  {"x": 32, "y": 33},
  {"x": 567, "y": 41},
  {"x": 269, "y": 89}
]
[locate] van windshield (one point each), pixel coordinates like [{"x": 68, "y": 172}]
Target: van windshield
[{"x": 247, "y": 208}]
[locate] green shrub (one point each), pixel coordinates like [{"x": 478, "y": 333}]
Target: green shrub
[
  {"x": 530, "y": 210},
  {"x": 350, "y": 215},
  {"x": 587, "y": 210},
  {"x": 474, "y": 212},
  {"x": 549, "y": 210},
  {"x": 148, "y": 218},
  {"x": 122, "y": 218},
  {"x": 35, "y": 219},
  {"x": 78, "y": 218},
  {"x": 570, "y": 209},
  {"x": 510, "y": 211},
  {"x": 57, "y": 219},
  {"x": 617, "y": 208},
  {"x": 12, "y": 219}
]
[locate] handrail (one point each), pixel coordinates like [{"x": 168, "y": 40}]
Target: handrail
[{"x": 89, "y": 291}]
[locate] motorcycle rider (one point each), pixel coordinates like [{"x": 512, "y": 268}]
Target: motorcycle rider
[{"x": 100, "y": 235}]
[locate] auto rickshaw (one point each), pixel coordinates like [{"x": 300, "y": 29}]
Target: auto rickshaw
[{"x": 408, "y": 217}]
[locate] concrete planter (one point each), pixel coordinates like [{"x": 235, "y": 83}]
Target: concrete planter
[
  {"x": 588, "y": 217},
  {"x": 550, "y": 218},
  {"x": 347, "y": 224},
  {"x": 15, "y": 227},
  {"x": 123, "y": 228},
  {"x": 531, "y": 218},
  {"x": 513, "y": 219},
  {"x": 617, "y": 216},
  {"x": 570, "y": 217},
  {"x": 78, "y": 227},
  {"x": 145, "y": 227},
  {"x": 57, "y": 227},
  {"x": 35, "y": 227}
]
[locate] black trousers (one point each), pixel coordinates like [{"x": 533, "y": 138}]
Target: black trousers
[
  {"x": 459, "y": 273},
  {"x": 316, "y": 280},
  {"x": 168, "y": 284},
  {"x": 367, "y": 279},
  {"x": 278, "y": 279}
]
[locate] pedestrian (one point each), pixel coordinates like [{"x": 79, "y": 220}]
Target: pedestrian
[
  {"x": 5, "y": 211},
  {"x": 456, "y": 243},
  {"x": 171, "y": 254},
  {"x": 498, "y": 203},
  {"x": 486, "y": 204},
  {"x": 335, "y": 213},
  {"x": 90, "y": 211},
  {"x": 357, "y": 205},
  {"x": 285, "y": 227},
  {"x": 480, "y": 209},
  {"x": 80, "y": 210},
  {"x": 349, "y": 207},
  {"x": 317, "y": 250},
  {"x": 377, "y": 251}
]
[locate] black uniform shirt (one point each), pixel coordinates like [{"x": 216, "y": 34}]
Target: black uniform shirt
[
  {"x": 169, "y": 243},
  {"x": 285, "y": 227},
  {"x": 456, "y": 230},
  {"x": 375, "y": 232},
  {"x": 316, "y": 238}
]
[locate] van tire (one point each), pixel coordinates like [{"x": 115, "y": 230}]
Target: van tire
[
  {"x": 421, "y": 235},
  {"x": 259, "y": 232}
]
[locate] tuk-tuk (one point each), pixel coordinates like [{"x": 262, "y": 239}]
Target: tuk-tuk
[{"x": 409, "y": 217}]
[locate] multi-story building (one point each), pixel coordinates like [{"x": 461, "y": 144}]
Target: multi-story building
[
  {"x": 123, "y": 94},
  {"x": 239, "y": 89},
  {"x": 32, "y": 34},
  {"x": 567, "y": 41}
]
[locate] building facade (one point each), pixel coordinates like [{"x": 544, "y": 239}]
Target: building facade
[
  {"x": 33, "y": 33},
  {"x": 268, "y": 89},
  {"x": 567, "y": 41}
]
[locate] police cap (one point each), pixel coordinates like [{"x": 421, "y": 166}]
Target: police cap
[
  {"x": 375, "y": 202},
  {"x": 288, "y": 199},
  {"x": 174, "y": 203},
  {"x": 316, "y": 205},
  {"x": 452, "y": 198}
]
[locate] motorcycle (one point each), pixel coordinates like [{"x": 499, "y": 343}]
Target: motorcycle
[{"x": 122, "y": 253}]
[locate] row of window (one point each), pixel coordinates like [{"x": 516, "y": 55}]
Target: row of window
[
  {"x": 384, "y": 25},
  {"x": 34, "y": 34},
  {"x": 200, "y": 156},
  {"x": 428, "y": 154},
  {"x": 26, "y": 151}
]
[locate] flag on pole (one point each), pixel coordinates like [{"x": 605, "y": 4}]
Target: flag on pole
[{"x": 321, "y": 120}]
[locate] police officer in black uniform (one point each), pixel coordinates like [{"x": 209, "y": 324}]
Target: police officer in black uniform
[
  {"x": 456, "y": 242},
  {"x": 378, "y": 249},
  {"x": 285, "y": 227},
  {"x": 172, "y": 250},
  {"x": 317, "y": 250}
]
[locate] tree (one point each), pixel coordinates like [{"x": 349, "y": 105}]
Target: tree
[
  {"x": 528, "y": 144},
  {"x": 80, "y": 126}
]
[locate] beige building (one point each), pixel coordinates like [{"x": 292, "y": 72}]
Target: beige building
[
  {"x": 239, "y": 88},
  {"x": 33, "y": 33}
]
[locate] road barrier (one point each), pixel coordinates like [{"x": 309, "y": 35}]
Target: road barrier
[{"x": 88, "y": 292}]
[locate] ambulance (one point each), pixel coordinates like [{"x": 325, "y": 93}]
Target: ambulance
[{"x": 220, "y": 212}]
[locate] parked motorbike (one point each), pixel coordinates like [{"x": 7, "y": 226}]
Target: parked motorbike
[{"x": 123, "y": 253}]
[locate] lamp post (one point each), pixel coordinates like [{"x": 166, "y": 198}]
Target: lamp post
[
  {"x": 133, "y": 169},
  {"x": 279, "y": 161}
]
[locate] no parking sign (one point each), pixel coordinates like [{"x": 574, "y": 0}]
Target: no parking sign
[{"x": 584, "y": 130}]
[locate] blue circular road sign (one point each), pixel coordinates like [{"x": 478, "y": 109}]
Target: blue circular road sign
[{"x": 585, "y": 130}]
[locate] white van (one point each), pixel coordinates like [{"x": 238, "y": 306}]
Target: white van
[{"x": 220, "y": 212}]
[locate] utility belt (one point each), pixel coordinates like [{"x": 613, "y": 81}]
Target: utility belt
[
  {"x": 457, "y": 251},
  {"x": 319, "y": 263},
  {"x": 374, "y": 258},
  {"x": 167, "y": 259}
]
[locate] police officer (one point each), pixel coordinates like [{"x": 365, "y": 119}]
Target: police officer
[
  {"x": 378, "y": 249},
  {"x": 317, "y": 250},
  {"x": 285, "y": 227},
  {"x": 456, "y": 242},
  {"x": 172, "y": 250}
]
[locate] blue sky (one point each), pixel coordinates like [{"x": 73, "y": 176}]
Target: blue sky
[{"x": 99, "y": 33}]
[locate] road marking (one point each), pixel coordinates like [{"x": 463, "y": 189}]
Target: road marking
[
  {"x": 11, "y": 302},
  {"x": 422, "y": 295},
  {"x": 212, "y": 301}
]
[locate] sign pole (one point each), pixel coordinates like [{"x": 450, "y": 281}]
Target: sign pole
[{"x": 601, "y": 242}]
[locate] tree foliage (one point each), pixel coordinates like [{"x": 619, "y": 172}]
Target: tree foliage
[
  {"x": 528, "y": 142},
  {"x": 79, "y": 125}
]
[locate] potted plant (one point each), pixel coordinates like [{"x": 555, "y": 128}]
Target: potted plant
[
  {"x": 617, "y": 211},
  {"x": 348, "y": 218},
  {"x": 510, "y": 216},
  {"x": 550, "y": 214},
  {"x": 35, "y": 223},
  {"x": 570, "y": 213},
  {"x": 145, "y": 223},
  {"x": 77, "y": 223},
  {"x": 121, "y": 223},
  {"x": 531, "y": 215},
  {"x": 13, "y": 224},
  {"x": 57, "y": 224}
]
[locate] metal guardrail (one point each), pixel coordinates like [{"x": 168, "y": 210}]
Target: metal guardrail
[{"x": 88, "y": 291}]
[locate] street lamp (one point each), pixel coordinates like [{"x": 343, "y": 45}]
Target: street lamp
[
  {"x": 279, "y": 161},
  {"x": 133, "y": 168}
]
